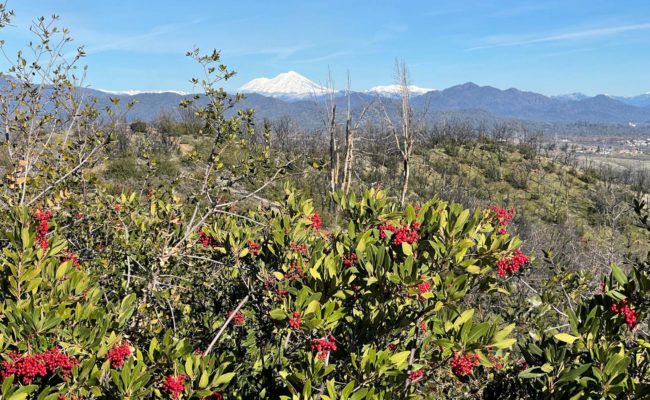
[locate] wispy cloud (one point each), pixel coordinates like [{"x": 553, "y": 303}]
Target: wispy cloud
[
  {"x": 277, "y": 53},
  {"x": 511, "y": 41},
  {"x": 324, "y": 57},
  {"x": 159, "y": 39},
  {"x": 386, "y": 32},
  {"x": 521, "y": 9}
]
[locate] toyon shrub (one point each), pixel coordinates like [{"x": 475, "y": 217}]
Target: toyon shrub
[
  {"x": 60, "y": 339},
  {"x": 387, "y": 308}
]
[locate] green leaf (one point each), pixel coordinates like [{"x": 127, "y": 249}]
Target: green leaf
[
  {"x": 23, "y": 392},
  {"x": 313, "y": 306},
  {"x": 464, "y": 317},
  {"x": 205, "y": 379},
  {"x": 410, "y": 214},
  {"x": 278, "y": 314},
  {"x": 407, "y": 249},
  {"x": 502, "y": 344},
  {"x": 347, "y": 390},
  {"x": 400, "y": 357},
  {"x": 224, "y": 378},
  {"x": 473, "y": 269},
  {"x": 574, "y": 373},
  {"x": 619, "y": 275},
  {"x": 503, "y": 333},
  {"x": 306, "y": 390},
  {"x": 547, "y": 368},
  {"x": 477, "y": 331},
  {"x": 529, "y": 374},
  {"x": 314, "y": 273},
  {"x": 565, "y": 337}
]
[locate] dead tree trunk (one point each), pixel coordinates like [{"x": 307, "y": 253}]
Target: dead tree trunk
[
  {"x": 406, "y": 145},
  {"x": 334, "y": 155},
  {"x": 404, "y": 137},
  {"x": 349, "y": 146}
]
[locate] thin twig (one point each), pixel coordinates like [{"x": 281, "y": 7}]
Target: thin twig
[{"x": 225, "y": 325}]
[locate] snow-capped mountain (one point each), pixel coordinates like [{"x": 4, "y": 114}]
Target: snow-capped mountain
[
  {"x": 577, "y": 96},
  {"x": 642, "y": 100},
  {"x": 289, "y": 85},
  {"x": 394, "y": 90}
]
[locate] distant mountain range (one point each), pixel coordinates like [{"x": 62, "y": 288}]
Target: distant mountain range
[{"x": 294, "y": 95}]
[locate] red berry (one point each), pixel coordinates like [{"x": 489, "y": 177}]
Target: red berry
[
  {"x": 316, "y": 221},
  {"x": 174, "y": 385},
  {"x": 323, "y": 346},
  {"x": 118, "y": 353},
  {"x": 295, "y": 320},
  {"x": 404, "y": 234},
  {"x": 503, "y": 217},
  {"x": 512, "y": 264},
  {"x": 416, "y": 375},
  {"x": 27, "y": 367},
  {"x": 205, "y": 240},
  {"x": 253, "y": 247},
  {"x": 630, "y": 316},
  {"x": 463, "y": 364},
  {"x": 238, "y": 318},
  {"x": 42, "y": 217}
]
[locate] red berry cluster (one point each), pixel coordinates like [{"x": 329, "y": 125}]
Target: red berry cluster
[
  {"x": 403, "y": 234},
  {"x": 349, "y": 261},
  {"x": 512, "y": 264},
  {"x": 43, "y": 218},
  {"x": 298, "y": 248},
  {"x": 70, "y": 256},
  {"x": 416, "y": 375},
  {"x": 424, "y": 286},
  {"x": 423, "y": 326},
  {"x": 295, "y": 272},
  {"x": 323, "y": 346},
  {"x": 316, "y": 221},
  {"x": 70, "y": 397},
  {"x": 391, "y": 346},
  {"x": 295, "y": 320},
  {"x": 214, "y": 396},
  {"x": 253, "y": 247},
  {"x": 623, "y": 307},
  {"x": 238, "y": 318},
  {"x": 281, "y": 294},
  {"x": 205, "y": 240},
  {"x": 270, "y": 282},
  {"x": 463, "y": 364},
  {"x": 117, "y": 207},
  {"x": 27, "y": 367},
  {"x": 496, "y": 361},
  {"x": 118, "y": 353},
  {"x": 174, "y": 385},
  {"x": 503, "y": 216}
]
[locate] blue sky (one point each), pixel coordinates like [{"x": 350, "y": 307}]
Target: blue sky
[{"x": 550, "y": 47}]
